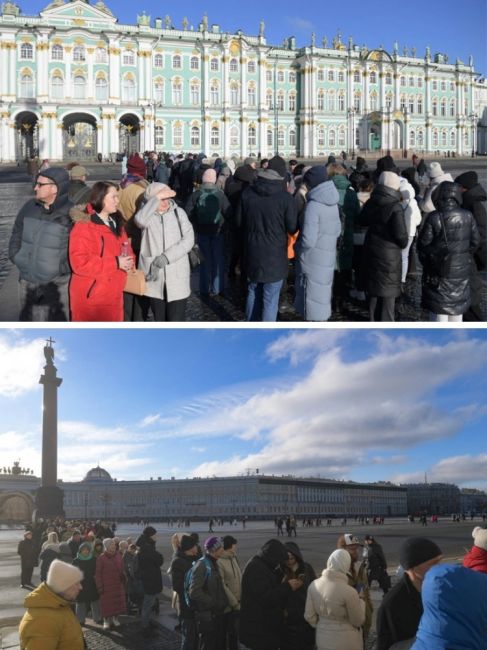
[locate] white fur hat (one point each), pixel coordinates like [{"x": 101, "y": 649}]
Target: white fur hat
[
  {"x": 480, "y": 537},
  {"x": 435, "y": 170},
  {"x": 62, "y": 576}
]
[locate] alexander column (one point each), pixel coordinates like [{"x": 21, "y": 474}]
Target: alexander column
[{"x": 49, "y": 497}]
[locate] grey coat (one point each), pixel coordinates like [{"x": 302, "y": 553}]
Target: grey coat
[
  {"x": 169, "y": 235},
  {"x": 316, "y": 252}
]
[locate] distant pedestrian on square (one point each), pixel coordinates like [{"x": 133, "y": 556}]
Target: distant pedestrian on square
[
  {"x": 376, "y": 563},
  {"x": 28, "y": 559},
  {"x": 98, "y": 259},
  {"x": 79, "y": 192},
  {"x": 269, "y": 216},
  {"x": 49, "y": 622},
  {"x": 110, "y": 583},
  {"x": 446, "y": 286},
  {"x": 38, "y": 247}
]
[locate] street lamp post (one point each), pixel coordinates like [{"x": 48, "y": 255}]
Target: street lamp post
[
  {"x": 473, "y": 120},
  {"x": 405, "y": 136}
]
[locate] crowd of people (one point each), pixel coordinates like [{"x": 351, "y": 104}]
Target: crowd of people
[
  {"x": 321, "y": 234},
  {"x": 275, "y": 602}
]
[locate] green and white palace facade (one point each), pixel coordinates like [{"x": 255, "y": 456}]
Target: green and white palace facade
[{"x": 75, "y": 84}]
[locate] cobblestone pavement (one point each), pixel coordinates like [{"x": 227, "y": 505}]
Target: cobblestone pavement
[{"x": 130, "y": 636}]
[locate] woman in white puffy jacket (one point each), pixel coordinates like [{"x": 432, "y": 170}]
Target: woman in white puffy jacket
[
  {"x": 335, "y": 608},
  {"x": 412, "y": 217}
]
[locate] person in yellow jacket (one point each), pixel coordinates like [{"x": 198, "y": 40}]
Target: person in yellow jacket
[{"x": 49, "y": 622}]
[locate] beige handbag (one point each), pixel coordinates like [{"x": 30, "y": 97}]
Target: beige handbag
[{"x": 135, "y": 282}]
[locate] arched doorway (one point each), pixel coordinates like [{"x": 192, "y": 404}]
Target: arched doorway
[
  {"x": 16, "y": 507},
  {"x": 374, "y": 138},
  {"x": 79, "y": 137},
  {"x": 27, "y": 141},
  {"x": 129, "y": 134}
]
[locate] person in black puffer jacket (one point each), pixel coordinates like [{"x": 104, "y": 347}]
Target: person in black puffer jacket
[
  {"x": 182, "y": 562},
  {"x": 244, "y": 177},
  {"x": 269, "y": 215},
  {"x": 447, "y": 295},
  {"x": 474, "y": 198},
  {"x": 386, "y": 236},
  {"x": 264, "y": 598},
  {"x": 38, "y": 247},
  {"x": 150, "y": 563}
]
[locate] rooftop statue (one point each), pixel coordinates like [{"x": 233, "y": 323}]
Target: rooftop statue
[
  {"x": 324, "y": 41},
  {"x": 261, "y": 28},
  {"x": 10, "y": 8}
]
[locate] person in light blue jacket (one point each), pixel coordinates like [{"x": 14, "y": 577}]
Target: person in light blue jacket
[
  {"x": 455, "y": 610},
  {"x": 316, "y": 247}
]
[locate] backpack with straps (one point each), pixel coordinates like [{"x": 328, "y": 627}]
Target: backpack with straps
[
  {"x": 188, "y": 576},
  {"x": 207, "y": 209}
]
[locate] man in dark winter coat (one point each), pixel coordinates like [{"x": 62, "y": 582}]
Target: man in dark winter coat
[
  {"x": 474, "y": 198},
  {"x": 244, "y": 176},
  {"x": 386, "y": 236},
  {"x": 39, "y": 249},
  {"x": 79, "y": 192},
  {"x": 446, "y": 290},
  {"x": 264, "y": 598},
  {"x": 208, "y": 597},
  {"x": 269, "y": 216},
  {"x": 401, "y": 609},
  {"x": 150, "y": 563},
  {"x": 28, "y": 559},
  {"x": 180, "y": 565},
  {"x": 74, "y": 542}
]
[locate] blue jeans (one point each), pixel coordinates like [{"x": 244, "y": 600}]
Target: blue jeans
[
  {"x": 263, "y": 301},
  {"x": 212, "y": 270},
  {"x": 147, "y": 605}
]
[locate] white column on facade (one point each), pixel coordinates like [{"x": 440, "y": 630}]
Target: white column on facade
[
  {"x": 11, "y": 135},
  {"x": 68, "y": 82},
  {"x": 366, "y": 86},
  {"x": 91, "y": 82},
  {"x": 13, "y": 71},
  {"x": 44, "y": 126},
  {"x": 114, "y": 63},
  {"x": 114, "y": 134},
  {"x": 149, "y": 142},
  {"x": 149, "y": 86},
  {"x": 397, "y": 99},
  {"x": 4, "y": 62},
  {"x": 261, "y": 103},
  {"x": 42, "y": 67},
  {"x": 141, "y": 91},
  {"x": 303, "y": 117},
  {"x": 4, "y": 137},
  {"x": 57, "y": 131},
  {"x": 99, "y": 136},
  {"x": 206, "y": 134},
  {"x": 205, "y": 60},
  {"x": 313, "y": 83},
  {"x": 245, "y": 136}
]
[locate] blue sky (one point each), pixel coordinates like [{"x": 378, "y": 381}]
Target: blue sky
[
  {"x": 455, "y": 28},
  {"x": 355, "y": 404}
]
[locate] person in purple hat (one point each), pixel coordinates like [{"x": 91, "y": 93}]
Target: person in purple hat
[{"x": 208, "y": 597}]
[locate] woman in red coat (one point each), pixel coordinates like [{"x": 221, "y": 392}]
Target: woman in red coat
[
  {"x": 100, "y": 256},
  {"x": 110, "y": 584}
]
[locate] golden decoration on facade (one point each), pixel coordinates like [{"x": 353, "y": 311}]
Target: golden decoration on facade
[{"x": 79, "y": 22}]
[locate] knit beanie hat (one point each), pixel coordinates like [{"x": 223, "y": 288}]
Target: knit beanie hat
[
  {"x": 315, "y": 176},
  {"x": 209, "y": 176},
  {"x": 467, "y": 180},
  {"x": 390, "y": 180},
  {"x": 187, "y": 542},
  {"x": 135, "y": 165},
  {"x": 62, "y": 576},
  {"x": 480, "y": 537},
  {"x": 435, "y": 170},
  {"x": 416, "y": 550},
  {"x": 149, "y": 531},
  {"x": 228, "y": 542},
  {"x": 278, "y": 164},
  {"x": 213, "y": 544}
]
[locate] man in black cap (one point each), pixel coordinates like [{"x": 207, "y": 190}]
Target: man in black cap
[
  {"x": 180, "y": 565},
  {"x": 269, "y": 215},
  {"x": 376, "y": 563},
  {"x": 401, "y": 610},
  {"x": 39, "y": 249},
  {"x": 474, "y": 198}
]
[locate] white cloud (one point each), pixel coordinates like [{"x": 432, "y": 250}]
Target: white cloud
[
  {"x": 21, "y": 366},
  {"x": 150, "y": 420},
  {"x": 328, "y": 421},
  {"x": 301, "y": 23},
  {"x": 299, "y": 346}
]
